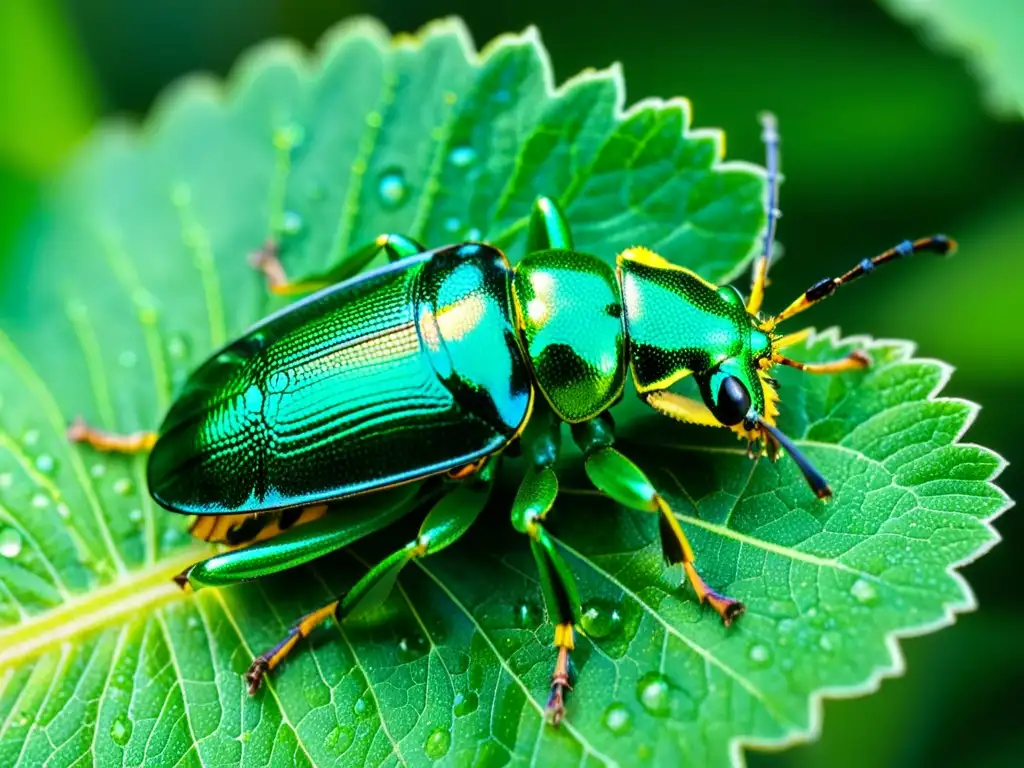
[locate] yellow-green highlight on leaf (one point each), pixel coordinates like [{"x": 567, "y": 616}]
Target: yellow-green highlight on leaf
[
  {"x": 987, "y": 33},
  {"x": 138, "y": 270},
  {"x": 46, "y": 90}
]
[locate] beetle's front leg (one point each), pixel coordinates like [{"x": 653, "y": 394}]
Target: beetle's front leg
[
  {"x": 110, "y": 442},
  {"x": 267, "y": 260},
  {"x": 621, "y": 479},
  {"x": 445, "y": 524}
]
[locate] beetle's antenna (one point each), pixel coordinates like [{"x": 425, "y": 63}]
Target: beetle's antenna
[
  {"x": 814, "y": 478},
  {"x": 759, "y": 278},
  {"x": 822, "y": 289}
]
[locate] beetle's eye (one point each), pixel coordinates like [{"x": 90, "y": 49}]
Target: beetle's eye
[{"x": 733, "y": 402}]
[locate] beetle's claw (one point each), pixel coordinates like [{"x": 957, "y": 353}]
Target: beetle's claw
[
  {"x": 255, "y": 674},
  {"x": 555, "y": 710},
  {"x": 726, "y": 607}
]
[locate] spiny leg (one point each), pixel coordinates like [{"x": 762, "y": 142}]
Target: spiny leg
[
  {"x": 534, "y": 500},
  {"x": 548, "y": 227},
  {"x": 267, "y": 260},
  {"x": 621, "y": 479},
  {"x": 445, "y": 524},
  {"x": 770, "y": 137},
  {"x": 110, "y": 442}
]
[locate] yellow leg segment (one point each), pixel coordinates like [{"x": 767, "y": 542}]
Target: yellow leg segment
[
  {"x": 560, "y": 679},
  {"x": 266, "y": 260},
  {"x": 265, "y": 662},
  {"x": 855, "y": 361},
  {"x": 726, "y": 607},
  {"x": 108, "y": 442}
]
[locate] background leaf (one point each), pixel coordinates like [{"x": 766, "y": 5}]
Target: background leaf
[
  {"x": 137, "y": 269},
  {"x": 986, "y": 32}
]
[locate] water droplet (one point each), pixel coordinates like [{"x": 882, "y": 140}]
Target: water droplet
[
  {"x": 786, "y": 626},
  {"x": 45, "y": 463},
  {"x": 864, "y": 591},
  {"x": 600, "y": 619},
  {"x": 121, "y": 730},
  {"x": 760, "y": 655},
  {"x": 127, "y": 359},
  {"x": 339, "y": 739},
  {"x": 63, "y": 510},
  {"x": 31, "y": 437},
  {"x": 193, "y": 622},
  {"x": 361, "y": 707},
  {"x": 826, "y": 643},
  {"x": 6, "y": 480},
  {"x": 40, "y": 500},
  {"x": 178, "y": 347},
  {"x": 135, "y": 515},
  {"x": 473, "y": 234},
  {"x": 374, "y": 119},
  {"x": 291, "y": 223},
  {"x": 452, "y": 224},
  {"x": 616, "y": 718},
  {"x": 527, "y": 615},
  {"x": 289, "y": 136},
  {"x": 503, "y": 96},
  {"x": 466, "y": 704},
  {"x": 462, "y": 157},
  {"x": 317, "y": 695},
  {"x": 654, "y": 693},
  {"x": 438, "y": 744},
  {"x": 392, "y": 188},
  {"x": 10, "y": 543},
  {"x": 98, "y": 470},
  {"x": 123, "y": 486},
  {"x": 244, "y": 736}
]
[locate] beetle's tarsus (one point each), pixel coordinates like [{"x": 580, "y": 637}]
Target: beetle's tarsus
[
  {"x": 265, "y": 260},
  {"x": 255, "y": 674},
  {"x": 726, "y": 607},
  {"x": 560, "y": 686}
]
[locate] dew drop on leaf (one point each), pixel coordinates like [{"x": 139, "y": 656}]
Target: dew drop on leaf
[
  {"x": 864, "y": 591},
  {"x": 317, "y": 695},
  {"x": 452, "y": 224},
  {"x": 527, "y": 615},
  {"x": 123, "y": 486},
  {"x": 654, "y": 693},
  {"x": 392, "y": 188},
  {"x": 31, "y": 437},
  {"x": 45, "y": 463},
  {"x": 438, "y": 743},
  {"x": 600, "y": 619},
  {"x": 760, "y": 655},
  {"x": 6, "y": 479},
  {"x": 10, "y": 543},
  {"x": 466, "y": 703},
  {"x": 178, "y": 347},
  {"x": 461, "y": 157},
  {"x": 127, "y": 359},
  {"x": 473, "y": 234},
  {"x": 361, "y": 708},
  {"x": 616, "y": 718},
  {"x": 40, "y": 500},
  {"x": 135, "y": 515},
  {"x": 63, "y": 510},
  {"x": 98, "y": 470},
  {"x": 339, "y": 739},
  {"x": 121, "y": 730},
  {"x": 291, "y": 223}
]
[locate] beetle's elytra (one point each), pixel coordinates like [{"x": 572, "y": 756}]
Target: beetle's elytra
[{"x": 410, "y": 381}]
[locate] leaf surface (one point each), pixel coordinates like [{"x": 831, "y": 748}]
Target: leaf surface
[{"x": 136, "y": 270}]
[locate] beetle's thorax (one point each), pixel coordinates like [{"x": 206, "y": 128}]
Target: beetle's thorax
[{"x": 679, "y": 324}]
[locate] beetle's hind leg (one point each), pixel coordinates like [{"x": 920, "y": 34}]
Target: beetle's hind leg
[
  {"x": 621, "y": 479},
  {"x": 548, "y": 227},
  {"x": 444, "y": 524},
  {"x": 267, "y": 260},
  {"x": 109, "y": 442}
]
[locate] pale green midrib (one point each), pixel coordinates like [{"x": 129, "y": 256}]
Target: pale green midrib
[{"x": 135, "y": 594}]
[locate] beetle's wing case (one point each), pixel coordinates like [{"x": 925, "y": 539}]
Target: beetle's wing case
[{"x": 400, "y": 373}]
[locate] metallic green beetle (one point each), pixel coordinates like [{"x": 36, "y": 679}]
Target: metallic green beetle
[{"x": 410, "y": 381}]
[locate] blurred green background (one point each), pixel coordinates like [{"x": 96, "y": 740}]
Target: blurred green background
[{"x": 883, "y": 138}]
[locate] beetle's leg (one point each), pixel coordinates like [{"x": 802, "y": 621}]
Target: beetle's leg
[
  {"x": 855, "y": 361},
  {"x": 240, "y": 529},
  {"x": 536, "y": 495},
  {"x": 267, "y": 261},
  {"x": 681, "y": 408},
  {"x": 621, "y": 479},
  {"x": 109, "y": 442},
  {"x": 759, "y": 277},
  {"x": 445, "y": 524},
  {"x": 548, "y": 227}
]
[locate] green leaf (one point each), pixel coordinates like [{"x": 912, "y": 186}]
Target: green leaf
[
  {"x": 987, "y": 33},
  {"x": 137, "y": 269}
]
